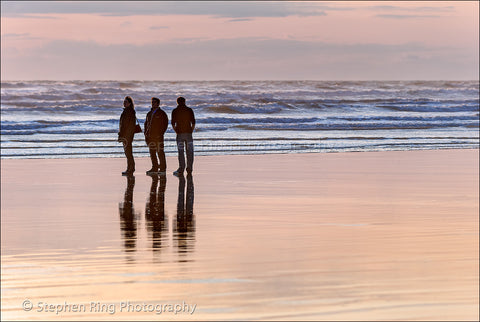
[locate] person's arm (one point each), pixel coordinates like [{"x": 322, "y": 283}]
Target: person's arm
[
  {"x": 131, "y": 122},
  {"x": 174, "y": 121},
  {"x": 164, "y": 123},
  {"x": 192, "y": 120},
  {"x": 121, "y": 127},
  {"x": 146, "y": 127}
]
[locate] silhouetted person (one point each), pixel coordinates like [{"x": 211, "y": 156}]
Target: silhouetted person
[
  {"x": 156, "y": 124},
  {"x": 155, "y": 211},
  {"x": 126, "y": 132},
  {"x": 185, "y": 221},
  {"x": 183, "y": 122},
  {"x": 128, "y": 224}
]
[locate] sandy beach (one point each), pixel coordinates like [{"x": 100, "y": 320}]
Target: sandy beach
[{"x": 321, "y": 236}]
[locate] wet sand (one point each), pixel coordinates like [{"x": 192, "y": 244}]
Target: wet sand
[{"x": 335, "y": 236}]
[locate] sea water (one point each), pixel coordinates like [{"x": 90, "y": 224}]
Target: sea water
[{"x": 78, "y": 119}]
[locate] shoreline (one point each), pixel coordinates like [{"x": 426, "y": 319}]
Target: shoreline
[{"x": 119, "y": 156}]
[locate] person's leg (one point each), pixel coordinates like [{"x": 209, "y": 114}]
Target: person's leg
[
  {"x": 153, "y": 155},
  {"x": 189, "y": 146},
  {"x": 161, "y": 157},
  {"x": 128, "y": 149},
  {"x": 181, "y": 154},
  {"x": 125, "y": 151}
]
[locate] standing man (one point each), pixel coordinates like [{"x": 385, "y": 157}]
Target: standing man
[
  {"x": 183, "y": 122},
  {"x": 156, "y": 124}
]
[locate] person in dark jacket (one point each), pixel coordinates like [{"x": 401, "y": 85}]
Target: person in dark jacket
[
  {"x": 156, "y": 124},
  {"x": 183, "y": 122},
  {"x": 127, "y": 131}
]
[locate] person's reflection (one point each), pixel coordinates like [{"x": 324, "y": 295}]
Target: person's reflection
[
  {"x": 128, "y": 223},
  {"x": 155, "y": 211},
  {"x": 184, "y": 229}
]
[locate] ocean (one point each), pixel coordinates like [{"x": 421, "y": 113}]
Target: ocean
[{"x": 79, "y": 119}]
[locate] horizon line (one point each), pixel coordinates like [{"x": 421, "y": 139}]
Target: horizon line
[{"x": 241, "y": 80}]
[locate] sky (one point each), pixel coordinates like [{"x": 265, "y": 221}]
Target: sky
[{"x": 239, "y": 40}]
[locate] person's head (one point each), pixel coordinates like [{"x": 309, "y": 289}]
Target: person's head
[
  {"x": 181, "y": 101},
  {"x": 155, "y": 102},
  {"x": 128, "y": 102}
]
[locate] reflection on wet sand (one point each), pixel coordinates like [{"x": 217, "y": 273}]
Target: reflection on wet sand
[
  {"x": 156, "y": 221},
  {"x": 184, "y": 226},
  {"x": 128, "y": 219},
  {"x": 374, "y": 237}
]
